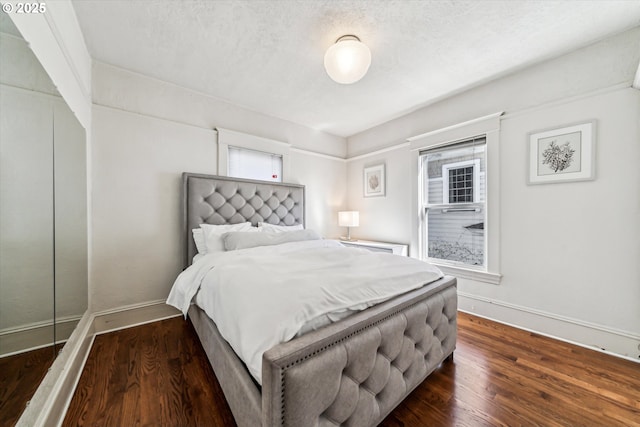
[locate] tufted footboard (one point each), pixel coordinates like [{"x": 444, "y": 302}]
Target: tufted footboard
[{"x": 354, "y": 372}]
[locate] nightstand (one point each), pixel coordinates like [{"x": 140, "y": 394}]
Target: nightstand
[{"x": 393, "y": 248}]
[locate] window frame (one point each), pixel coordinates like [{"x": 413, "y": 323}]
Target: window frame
[{"x": 489, "y": 126}]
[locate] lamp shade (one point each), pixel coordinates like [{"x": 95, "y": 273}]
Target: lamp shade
[
  {"x": 348, "y": 60},
  {"x": 348, "y": 218}
]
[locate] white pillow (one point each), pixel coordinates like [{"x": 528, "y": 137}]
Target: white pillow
[
  {"x": 213, "y": 234},
  {"x": 270, "y": 228},
  {"x": 234, "y": 241},
  {"x": 198, "y": 238}
]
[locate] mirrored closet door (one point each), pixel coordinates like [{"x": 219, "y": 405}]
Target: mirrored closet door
[{"x": 43, "y": 222}]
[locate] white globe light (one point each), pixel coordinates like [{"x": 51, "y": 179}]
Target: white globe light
[{"x": 348, "y": 60}]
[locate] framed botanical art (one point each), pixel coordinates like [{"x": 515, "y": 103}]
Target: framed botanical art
[
  {"x": 562, "y": 154},
  {"x": 374, "y": 181}
]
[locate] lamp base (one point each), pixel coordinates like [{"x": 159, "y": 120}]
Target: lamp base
[{"x": 348, "y": 239}]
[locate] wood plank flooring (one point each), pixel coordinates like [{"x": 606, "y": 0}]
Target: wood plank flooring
[
  {"x": 158, "y": 374},
  {"x": 151, "y": 375},
  {"x": 20, "y": 376}
]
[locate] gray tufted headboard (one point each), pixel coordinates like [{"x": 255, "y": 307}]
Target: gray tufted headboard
[{"x": 210, "y": 199}]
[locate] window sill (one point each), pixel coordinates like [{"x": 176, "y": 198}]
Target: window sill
[{"x": 468, "y": 273}]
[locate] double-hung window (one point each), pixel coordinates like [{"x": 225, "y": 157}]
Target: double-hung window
[
  {"x": 453, "y": 181},
  {"x": 457, "y": 198}
]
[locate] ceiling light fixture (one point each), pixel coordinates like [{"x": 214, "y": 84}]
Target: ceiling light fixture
[{"x": 348, "y": 60}]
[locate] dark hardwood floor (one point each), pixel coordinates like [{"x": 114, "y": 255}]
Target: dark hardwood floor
[
  {"x": 151, "y": 375},
  {"x": 20, "y": 376},
  {"x": 157, "y": 374}
]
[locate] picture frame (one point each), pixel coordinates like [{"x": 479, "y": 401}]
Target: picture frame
[
  {"x": 374, "y": 181},
  {"x": 563, "y": 154}
]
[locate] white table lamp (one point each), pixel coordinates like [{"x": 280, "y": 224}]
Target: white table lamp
[{"x": 349, "y": 219}]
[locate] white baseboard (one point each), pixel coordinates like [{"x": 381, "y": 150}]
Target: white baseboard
[
  {"x": 36, "y": 335},
  {"x": 608, "y": 340},
  {"x": 132, "y": 315},
  {"x": 50, "y": 402}
]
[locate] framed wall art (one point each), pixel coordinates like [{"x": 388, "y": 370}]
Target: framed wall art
[
  {"x": 562, "y": 154},
  {"x": 374, "y": 181}
]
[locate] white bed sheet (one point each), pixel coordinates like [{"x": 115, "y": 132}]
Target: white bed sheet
[{"x": 264, "y": 296}]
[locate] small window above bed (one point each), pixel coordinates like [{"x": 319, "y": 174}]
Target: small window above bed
[
  {"x": 242, "y": 155},
  {"x": 252, "y": 164}
]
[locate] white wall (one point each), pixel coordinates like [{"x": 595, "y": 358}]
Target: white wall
[
  {"x": 573, "y": 248},
  {"x": 387, "y": 218},
  {"x": 569, "y": 252},
  {"x": 326, "y": 192},
  {"x": 145, "y": 134}
]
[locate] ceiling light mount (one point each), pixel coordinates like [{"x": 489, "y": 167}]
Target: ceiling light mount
[
  {"x": 348, "y": 37},
  {"x": 348, "y": 60}
]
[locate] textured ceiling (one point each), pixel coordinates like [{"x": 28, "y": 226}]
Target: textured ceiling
[{"x": 268, "y": 55}]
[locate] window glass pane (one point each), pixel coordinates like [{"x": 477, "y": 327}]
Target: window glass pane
[
  {"x": 456, "y": 234},
  {"x": 252, "y": 164}
]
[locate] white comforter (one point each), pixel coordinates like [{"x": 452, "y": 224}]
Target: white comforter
[{"x": 263, "y": 296}]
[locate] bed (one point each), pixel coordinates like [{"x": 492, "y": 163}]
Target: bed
[{"x": 353, "y": 372}]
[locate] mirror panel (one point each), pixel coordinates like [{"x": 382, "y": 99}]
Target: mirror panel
[
  {"x": 26, "y": 218},
  {"x": 70, "y": 213},
  {"x": 26, "y": 196},
  {"x": 43, "y": 222}
]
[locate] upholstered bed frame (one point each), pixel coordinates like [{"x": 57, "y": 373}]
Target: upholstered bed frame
[{"x": 353, "y": 372}]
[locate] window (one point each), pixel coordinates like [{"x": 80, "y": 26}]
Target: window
[
  {"x": 453, "y": 180},
  {"x": 457, "y": 198},
  {"x": 459, "y": 179},
  {"x": 252, "y": 164},
  {"x": 242, "y": 155}
]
